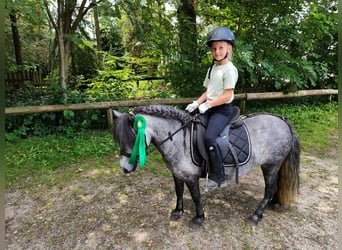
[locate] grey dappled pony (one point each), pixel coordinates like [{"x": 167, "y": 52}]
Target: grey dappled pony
[{"x": 274, "y": 146}]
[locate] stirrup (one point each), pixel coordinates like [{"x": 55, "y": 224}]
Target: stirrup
[{"x": 210, "y": 184}]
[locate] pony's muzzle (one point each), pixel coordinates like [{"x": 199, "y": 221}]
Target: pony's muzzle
[
  {"x": 126, "y": 166},
  {"x": 126, "y": 171}
]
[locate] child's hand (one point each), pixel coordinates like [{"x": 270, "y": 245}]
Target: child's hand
[
  {"x": 203, "y": 107},
  {"x": 192, "y": 106}
]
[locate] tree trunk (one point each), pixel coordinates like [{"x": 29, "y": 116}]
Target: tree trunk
[
  {"x": 66, "y": 24},
  {"x": 64, "y": 52},
  {"x": 16, "y": 40},
  {"x": 63, "y": 48},
  {"x": 98, "y": 35},
  {"x": 186, "y": 16},
  {"x": 187, "y": 30}
]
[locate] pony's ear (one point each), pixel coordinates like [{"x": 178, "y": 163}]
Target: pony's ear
[
  {"x": 131, "y": 119},
  {"x": 116, "y": 114}
]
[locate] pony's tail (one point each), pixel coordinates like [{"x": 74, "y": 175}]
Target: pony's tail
[{"x": 288, "y": 176}]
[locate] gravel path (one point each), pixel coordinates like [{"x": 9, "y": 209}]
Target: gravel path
[{"x": 105, "y": 209}]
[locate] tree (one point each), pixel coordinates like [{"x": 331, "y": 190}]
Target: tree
[
  {"x": 98, "y": 34},
  {"x": 188, "y": 59},
  {"x": 278, "y": 45},
  {"x": 319, "y": 41},
  {"x": 65, "y": 20},
  {"x": 16, "y": 39},
  {"x": 24, "y": 20}
]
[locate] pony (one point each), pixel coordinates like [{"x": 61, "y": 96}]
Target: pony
[{"x": 275, "y": 147}]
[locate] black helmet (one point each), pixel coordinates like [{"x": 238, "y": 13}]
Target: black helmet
[{"x": 221, "y": 33}]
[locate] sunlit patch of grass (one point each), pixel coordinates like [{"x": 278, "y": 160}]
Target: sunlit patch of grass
[
  {"x": 99, "y": 172},
  {"x": 36, "y": 155}
]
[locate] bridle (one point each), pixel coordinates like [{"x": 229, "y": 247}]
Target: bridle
[{"x": 150, "y": 150}]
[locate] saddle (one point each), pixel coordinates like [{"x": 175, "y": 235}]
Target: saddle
[{"x": 233, "y": 142}]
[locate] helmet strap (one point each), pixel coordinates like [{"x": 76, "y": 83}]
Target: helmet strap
[
  {"x": 211, "y": 67},
  {"x": 222, "y": 58},
  {"x": 213, "y": 62}
]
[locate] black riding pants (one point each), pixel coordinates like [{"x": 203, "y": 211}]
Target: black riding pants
[{"x": 218, "y": 118}]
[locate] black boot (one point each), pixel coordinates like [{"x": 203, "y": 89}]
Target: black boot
[{"x": 217, "y": 178}]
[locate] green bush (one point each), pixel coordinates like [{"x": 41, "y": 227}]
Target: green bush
[
  {"x": 113, "y": 84},
  {"x": 42, "y": 124}
]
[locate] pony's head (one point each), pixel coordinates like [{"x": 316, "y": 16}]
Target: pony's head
[
  {"x": 125, "y": 134},
  {"x": 125, "y": 130}
]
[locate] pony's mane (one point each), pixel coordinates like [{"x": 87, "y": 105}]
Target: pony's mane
[
  {"x": 123, "y": 131},
  {"x": 164, "y": 111}
]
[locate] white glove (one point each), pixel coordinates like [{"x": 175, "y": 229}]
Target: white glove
[
  {"x": 203, "y": 107},
  {"x": 192, "y": 106}
]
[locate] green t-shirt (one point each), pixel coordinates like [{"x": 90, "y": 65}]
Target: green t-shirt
[{"x": 221, "y": 77}]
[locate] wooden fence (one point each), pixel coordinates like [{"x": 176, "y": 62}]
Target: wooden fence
[
  {"x": 18, "y": 78},
  {"x": 167, "y": 101}
]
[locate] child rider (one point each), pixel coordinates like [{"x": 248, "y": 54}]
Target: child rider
[{"x": 215, "y": 102}]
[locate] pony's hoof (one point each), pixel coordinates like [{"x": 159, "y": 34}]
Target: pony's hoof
[
  {"x": 253, "y": 220},
  {"x": 196, "y": 222},
  {"x": 274, "y": 206},
  {"x": 175, "y": 215}
]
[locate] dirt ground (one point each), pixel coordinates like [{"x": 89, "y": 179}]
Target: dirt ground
[{"x": 105, "y": 209}]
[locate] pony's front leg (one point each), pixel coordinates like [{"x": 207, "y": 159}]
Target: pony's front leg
[
  {"x": 196, "y": 197},
  {"x": 179, "y": 187}
]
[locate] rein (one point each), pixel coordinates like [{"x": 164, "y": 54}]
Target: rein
[
  {"x": 139, "y": 148},
  {"x": 169, "y": 137}
]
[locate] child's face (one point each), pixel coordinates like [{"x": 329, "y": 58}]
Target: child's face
[{"x": 219, "y": 49}]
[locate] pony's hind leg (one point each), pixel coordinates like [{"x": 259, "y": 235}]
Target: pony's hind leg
[
  {"x": 179, "y": 187},
  {"x": 274, "y": 202},
  {"x": 270, "y": 196}
]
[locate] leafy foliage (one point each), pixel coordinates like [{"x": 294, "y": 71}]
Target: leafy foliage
[
  {"x": 151, "y": 49},
  {"x": 33, "y": 30},
  {"x": 118, "y": 81},
  {"x": 42, "y": 124},
  {"x": 84, "y": 60},
  {"x": 279, "y": 46}
]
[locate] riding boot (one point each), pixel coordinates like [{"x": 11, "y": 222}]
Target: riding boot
[{"x": 217, "y": 177}]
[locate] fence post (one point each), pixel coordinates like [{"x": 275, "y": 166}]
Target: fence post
[
  {"x": 242, "y": 106},
  {"x": 110, "y": 119}
]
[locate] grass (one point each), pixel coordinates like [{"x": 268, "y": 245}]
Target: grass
[
  {"x": 40, "y": 157},
  {"x": 27, "y": 158}
]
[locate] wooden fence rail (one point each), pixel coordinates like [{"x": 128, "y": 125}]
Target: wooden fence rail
[{"x": 167, "y": 101}]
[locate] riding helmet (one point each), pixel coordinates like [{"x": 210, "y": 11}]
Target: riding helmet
[{"x": 221, "y": 33}]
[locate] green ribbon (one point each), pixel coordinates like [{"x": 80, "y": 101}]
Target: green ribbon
[{"x": 139, "y": 144}]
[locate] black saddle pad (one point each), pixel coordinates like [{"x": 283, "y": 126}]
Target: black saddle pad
[{"x": 237, "y": 143}]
